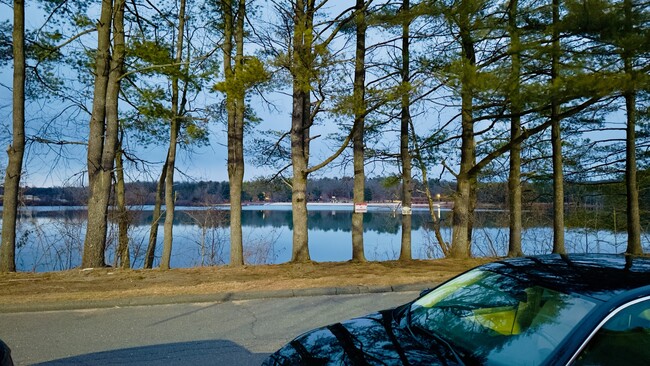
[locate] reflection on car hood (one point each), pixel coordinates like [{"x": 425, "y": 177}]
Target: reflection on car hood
[
  {"x": 375, "y": 339},
  {"x": 600, "y": 276}
]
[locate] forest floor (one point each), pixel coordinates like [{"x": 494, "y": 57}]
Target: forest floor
[{"x": 108, "y": 284}]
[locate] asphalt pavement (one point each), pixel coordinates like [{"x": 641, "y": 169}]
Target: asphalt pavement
[{"x": 235, "y": 329}]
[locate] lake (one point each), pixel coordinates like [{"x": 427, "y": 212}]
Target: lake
[{"x": 51, "y": 238}]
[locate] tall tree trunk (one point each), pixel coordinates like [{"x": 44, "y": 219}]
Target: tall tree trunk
[
  {"x": 99, "y": 178},
  {"x": 556, "y": 139},
  {"x": 299, "y": 158},
  {"x": 235, "y": 187},
  {"x": 631, "y": 185},
  {"x": 460, "y": 221},
  {"x": 465, "y": 182},
  {"x": 300, "y": 124},
  {"x": 303, "y": 55},
  {"x": 170, "y": 197},
  {"x": 235, "y": 106},
  {"x": 633, "y": 213},
  {"x": 240, "y": 109},
  {"x": 358, "y": 254},
  {"x": 155, "y": 219},
  {"x": 16, "y": 150},
  {"x": 407, "y": 186},
  {"x": 123, "y": 220},
  {"x": 112, "y": 143},
  {"x": 175, "y": 126},
  {"x": 300, "y": 249},
  {"x": 473, "y": 201},
  {"x": 514, "y": 176}
]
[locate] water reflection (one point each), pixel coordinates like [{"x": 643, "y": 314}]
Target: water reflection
[
  {"x": 490, "y": 318},
  {"x": 52, "y": 238}
]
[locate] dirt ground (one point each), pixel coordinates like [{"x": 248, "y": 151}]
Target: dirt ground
[{"x": 109, "y": 283}]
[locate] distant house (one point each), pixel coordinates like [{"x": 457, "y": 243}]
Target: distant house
[{"x": 419, "y": 200}]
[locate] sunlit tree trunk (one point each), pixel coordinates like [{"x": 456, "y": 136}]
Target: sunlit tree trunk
[
  {"x": 514, "y": 176},
  {"x": 155, "y": 219},
  {"x": 175, "y": 126},
  {"x": 17, "y": 148},
  {"x": 358, "y": 254},
  {"x": 123, "y": 220},
  {"x": 112, "y": 143},
  {"x": 407, "y": 186},
  {"x": 170, "y": 196},
  {"x": 556, "y": 139},
  {"x": 301, "y": 124},
  {"x": 101, "y": 152},
  {"x": 240, "y": 109},
  {"x": 235, "y": 106}
]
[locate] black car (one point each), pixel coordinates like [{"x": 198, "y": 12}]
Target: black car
[
  {"x": 544, "y": 310},
  {"x": 5, "y": 355}
]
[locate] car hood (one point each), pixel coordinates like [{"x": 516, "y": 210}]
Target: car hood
[{"x": 375, "y": 339}]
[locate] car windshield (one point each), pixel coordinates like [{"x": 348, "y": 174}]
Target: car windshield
[{"x": 494, "y": 319}]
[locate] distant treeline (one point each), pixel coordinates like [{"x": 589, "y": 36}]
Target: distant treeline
[
  {"x": 603, "y": 196},
  {"x": 591, "y": 205}
]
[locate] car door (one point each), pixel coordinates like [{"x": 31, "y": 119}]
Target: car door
[{"x": 622, "y": 338}]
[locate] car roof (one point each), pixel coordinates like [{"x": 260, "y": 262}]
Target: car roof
[{"x": 601, "y": 276}]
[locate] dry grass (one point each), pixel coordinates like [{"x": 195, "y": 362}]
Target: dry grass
[{"x": 101, "y": 284}]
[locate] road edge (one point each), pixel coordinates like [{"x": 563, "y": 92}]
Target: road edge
[{"x": 209, "y": 298}]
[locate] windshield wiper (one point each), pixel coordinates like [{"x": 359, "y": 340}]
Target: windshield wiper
[
  {"x": 433, "y": 334},
  {"x": 399, "y": 312}
]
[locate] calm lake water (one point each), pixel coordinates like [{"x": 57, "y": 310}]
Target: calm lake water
[{"x": 51, "y": 238}]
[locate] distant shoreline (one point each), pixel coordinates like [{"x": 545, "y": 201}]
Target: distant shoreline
[
  {"x": 374, "y": 206},
  {"x": 350, "y": 204}
]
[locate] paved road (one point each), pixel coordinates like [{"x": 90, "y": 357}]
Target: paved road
[{"x": 230, "y": 333}]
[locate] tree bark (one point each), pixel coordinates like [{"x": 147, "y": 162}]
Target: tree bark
[
  {"x": 235, "y": 106},
  {"x": 514, "y": 176},
  {"x": 460, "y": 221},
  {"x": 633, "y": 213},
  {"x": 155, "y": 219},
  {"x": 358, "y": 148},
  {"x": 407, "y": 186},
  {"x": 16, "y": 150},
  {"x": 240, "y": 109},
  {"x": 175, "y": 126},
  {"x": 556, "y": 139},
  {"x": 112, "y": 143},
  {"x": 99, "y": 175},
  {"x": 123, "y": 259},
  {"x": 299, "y": 158},
  {"x": 465, "y": 182},
  {"x": 302, "y": 60},
  {"x": 170, "y": 197},
  {"x": 300, "y": 249},
  {"x": 303, "y": 73}
]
